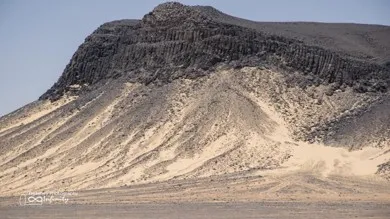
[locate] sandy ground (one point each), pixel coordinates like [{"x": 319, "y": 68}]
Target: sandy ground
[
  {"x": 234, "y": 196},
  {"x": 238, "y": 187},
  {"x": 205, "y": 210}
]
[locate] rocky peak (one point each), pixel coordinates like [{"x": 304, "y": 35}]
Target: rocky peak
[
  {"x": 175, "y": 41},
  {"x": 173, "y": 13}
]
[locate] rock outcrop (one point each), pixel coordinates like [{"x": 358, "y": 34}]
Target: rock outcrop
[{"x": 194, "y": 39}]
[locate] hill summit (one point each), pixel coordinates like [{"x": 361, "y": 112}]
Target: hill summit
[{"x": 174, "y": 36}]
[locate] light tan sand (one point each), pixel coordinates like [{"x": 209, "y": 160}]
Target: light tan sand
[
  {"x": 41, "y": 110},
  {"x": 215, "y": 126},
  {"x": 330, "y": 160}
]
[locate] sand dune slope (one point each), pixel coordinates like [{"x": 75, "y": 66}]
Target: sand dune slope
[{"x": 246, "y": 122}]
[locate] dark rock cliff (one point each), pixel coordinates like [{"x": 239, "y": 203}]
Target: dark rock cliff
[{"x": 194, "y": 40}]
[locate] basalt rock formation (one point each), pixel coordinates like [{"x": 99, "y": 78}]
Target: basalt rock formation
[{"x": 174, "y": 36}]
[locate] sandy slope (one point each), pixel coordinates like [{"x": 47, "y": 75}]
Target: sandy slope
[{"x": 245, "y": 122}]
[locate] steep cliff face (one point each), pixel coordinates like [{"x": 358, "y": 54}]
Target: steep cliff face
[{"x": 174, "y": 36}]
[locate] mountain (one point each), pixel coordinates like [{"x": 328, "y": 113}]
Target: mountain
[{"x": 189, "y": 92}]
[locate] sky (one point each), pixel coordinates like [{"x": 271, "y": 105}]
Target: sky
[{"x": 39, "y": 37}]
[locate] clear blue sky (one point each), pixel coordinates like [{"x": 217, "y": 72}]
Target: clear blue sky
[{"x": 38, "y": 37}]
